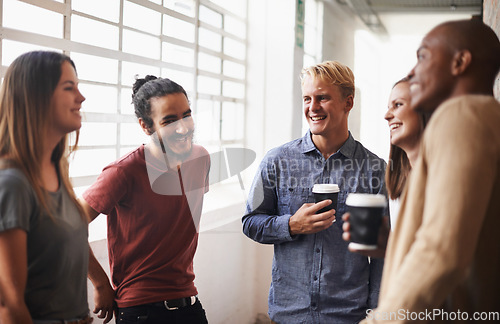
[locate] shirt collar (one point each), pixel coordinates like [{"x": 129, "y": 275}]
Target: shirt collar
[{"x": 347, "y": 149}]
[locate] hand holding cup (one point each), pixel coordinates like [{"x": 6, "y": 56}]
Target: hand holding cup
[
  {"x": 365, "y": 218},
  {"x": 325, "y": 191}
]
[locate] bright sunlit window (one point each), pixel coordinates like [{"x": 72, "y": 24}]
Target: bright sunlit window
[{"x": 199, "y": 44}]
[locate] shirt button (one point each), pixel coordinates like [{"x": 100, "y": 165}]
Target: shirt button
[
  {"x": 313, "y": 304},
  {"x": 317, "y": 250},
  {"x": 315, "y": 278}
]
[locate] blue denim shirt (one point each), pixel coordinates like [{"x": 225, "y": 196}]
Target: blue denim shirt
[{"x": 315, "y": 279}]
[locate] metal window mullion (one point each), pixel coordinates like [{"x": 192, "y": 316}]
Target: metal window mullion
[
  {"x": 160, "y": 38},
  {"x": 97, "y": 83},
  {"x": 221, "y": 79},
  {"x": 221, "y": 31},
  {"x": 195, "y": 53},
  {"x": 119, "y": 85},
  {"x": 163, "y": 10},
  {"x": 231, "y": 142},
  {"x": 221, "y": 55},
  {"x": 49, "y": 5},
  {"x": 108, "y": 118},
  {"x": 319, "y": 31},
  {"x": 67, "y": 24},
  {"x": 177, "y": 41},
  {"x": 102, "y": 20},
  {"x": 95, "y": 147},
  {"x": 245, "y": 110},
  {"x": 220, "y": 10},
  {"x": 139, "y": 31},
  {"x": 220, "y": 98}
]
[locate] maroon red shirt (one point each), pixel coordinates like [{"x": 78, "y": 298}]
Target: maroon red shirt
[{"x": 152, "y": 237}]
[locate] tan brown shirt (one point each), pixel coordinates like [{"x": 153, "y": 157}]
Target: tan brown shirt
[{"x": 444, "y": 254}]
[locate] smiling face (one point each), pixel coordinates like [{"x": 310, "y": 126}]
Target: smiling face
[
  {"x": 431, "y": 80},
  {"x": 174, "y": 124},
  {"x": 66, "y": 102},
  {"x": 325, "y": 108},
  {"x": 404, "y": 123}
]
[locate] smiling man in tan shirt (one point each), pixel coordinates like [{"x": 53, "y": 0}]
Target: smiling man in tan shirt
[{"x": 443, "y": 258}]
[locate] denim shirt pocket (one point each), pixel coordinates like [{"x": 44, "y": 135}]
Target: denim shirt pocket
[
  {"x": 341, "y": 209},
  {"x": 291, "y": 199}
]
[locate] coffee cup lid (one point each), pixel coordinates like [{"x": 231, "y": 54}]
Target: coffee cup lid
[
  {"x": 325, "y": 188},
  {"x": 365, "y": 200}
]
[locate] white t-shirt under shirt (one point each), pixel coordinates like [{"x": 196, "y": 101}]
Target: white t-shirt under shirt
[{"x": 394, "y": 205}]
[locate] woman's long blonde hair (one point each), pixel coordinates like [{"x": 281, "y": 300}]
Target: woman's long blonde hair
[{"x": 25, "y": 111}]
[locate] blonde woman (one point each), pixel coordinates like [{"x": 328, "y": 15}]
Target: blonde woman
[{"x": 43, "y": 230}]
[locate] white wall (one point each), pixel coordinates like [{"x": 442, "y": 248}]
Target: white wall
[
  {"x": 271, "y": 74},
  {"x": 339, "y": 30},
  {"x": 380, "y": 62}
]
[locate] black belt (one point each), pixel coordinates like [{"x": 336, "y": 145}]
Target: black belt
[{"x": 174, "y": 304}]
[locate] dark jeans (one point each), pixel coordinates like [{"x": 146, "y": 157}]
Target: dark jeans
[{"x": 148, "y": 314}]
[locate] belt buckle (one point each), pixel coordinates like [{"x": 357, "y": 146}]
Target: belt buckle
[
  {"x": 169, "y": 308},
  {"x": 192, "y": 301}
]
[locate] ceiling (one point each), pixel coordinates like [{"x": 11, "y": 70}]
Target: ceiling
[{"x": 370, "y": 10}]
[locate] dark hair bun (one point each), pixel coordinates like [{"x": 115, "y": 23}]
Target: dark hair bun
[{"x": 140, "y": 82}]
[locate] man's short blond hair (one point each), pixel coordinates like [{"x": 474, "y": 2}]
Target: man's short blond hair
[{"x": 332, "y": 72}]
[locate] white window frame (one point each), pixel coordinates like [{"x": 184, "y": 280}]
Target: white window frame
[{"x": 67, "y": 46}]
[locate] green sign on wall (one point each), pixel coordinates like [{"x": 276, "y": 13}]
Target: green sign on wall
[{"x": 299, "y": 24}]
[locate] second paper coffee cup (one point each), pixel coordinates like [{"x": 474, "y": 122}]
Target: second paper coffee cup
[
  {"x": 325, "y": 191},
  {"x": 366, "y": 216}
]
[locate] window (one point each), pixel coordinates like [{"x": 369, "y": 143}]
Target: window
[
  {"x": 139, "y": 37},
  {"x": 199, "y": 44},
  {"x": 312, "y": 32}
]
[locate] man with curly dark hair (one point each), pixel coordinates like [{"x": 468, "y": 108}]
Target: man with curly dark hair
[{"x": 153, "y": 198}]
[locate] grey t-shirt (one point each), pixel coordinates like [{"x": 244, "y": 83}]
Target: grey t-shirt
[{"x": 58, "y": 251}]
